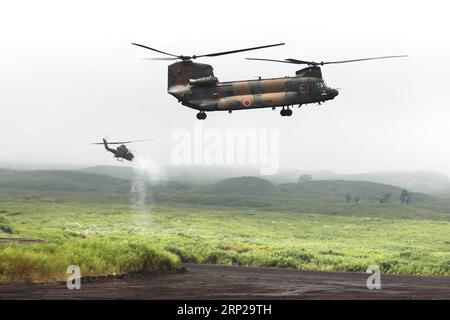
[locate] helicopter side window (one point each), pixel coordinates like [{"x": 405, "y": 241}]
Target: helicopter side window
[{"x": 303, "y": 88}]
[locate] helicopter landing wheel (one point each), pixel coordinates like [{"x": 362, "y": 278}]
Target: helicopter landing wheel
[
  {"x": 201, "y": 115},
  {"x": 286, "y": 112}
]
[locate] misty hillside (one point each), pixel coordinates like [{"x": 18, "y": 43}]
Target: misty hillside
[
  {"x": 321, "y": 197},
  {"x": 336, "y": 190},
  {"x": 192, "y": 174},
  {"x": 244, "y": 190},
  {"x": 417, "y": 181},
  {"x": 52, "y": 180},
  {"x": 241, "y": 185},
  {"x": 421, "y": 181},
  {"x": 112, "y": 171}
]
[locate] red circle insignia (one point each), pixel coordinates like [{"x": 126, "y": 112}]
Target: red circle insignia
[{"x": 247, "y": 102}]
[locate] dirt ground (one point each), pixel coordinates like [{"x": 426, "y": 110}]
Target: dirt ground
[
  {"x": 20, "y": 240},
  {"x": 229, "y": 282}
]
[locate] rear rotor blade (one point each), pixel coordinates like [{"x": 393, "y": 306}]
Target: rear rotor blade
[
  {"x": 156, "y": 50},
  {"x": 236, "y": 51}
]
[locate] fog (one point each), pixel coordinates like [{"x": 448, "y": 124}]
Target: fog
[{"x": 69, "y": 76}]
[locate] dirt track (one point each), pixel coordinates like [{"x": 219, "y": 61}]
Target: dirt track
[
  {"x": 226, "y": 282},
  {"x": 21, "y": 240}
]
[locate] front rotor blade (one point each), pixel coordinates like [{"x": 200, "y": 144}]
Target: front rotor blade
[
  {"x": 236, "y": 51},
  {"x": 156, "y": 50},
  {"x": 161, "y": 59},
  {"x": 363, "y": 59}
]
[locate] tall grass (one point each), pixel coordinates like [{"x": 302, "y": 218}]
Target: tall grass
[
  {"x": 95, "y": 256},
  {"x": 111, "y": 238}
]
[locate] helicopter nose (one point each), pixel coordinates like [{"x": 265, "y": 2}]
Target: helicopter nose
[{"x": 333, "y": 93}]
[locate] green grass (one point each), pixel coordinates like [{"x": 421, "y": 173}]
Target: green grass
[
  {"x": 115, "y": 238},
  {"x": 101, "y": 255},
  {"x": 5, "y": 226}
]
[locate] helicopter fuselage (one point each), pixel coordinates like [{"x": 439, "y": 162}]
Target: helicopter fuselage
[
  {"x": 205, "y": 93},
  {"x": 123, "y": 155},
  {"x": 121, "y": 152}
]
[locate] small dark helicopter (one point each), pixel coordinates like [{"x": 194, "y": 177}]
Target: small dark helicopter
[
  {"x": 195, "y": 86},
  {"x": 121, "y": 152}
]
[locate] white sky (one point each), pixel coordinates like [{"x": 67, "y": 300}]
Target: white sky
[{"x": 69, "y": 76}]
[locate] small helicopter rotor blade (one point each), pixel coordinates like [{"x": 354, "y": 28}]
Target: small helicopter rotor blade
[
  {"x": 119, "y": 142},
  {"x": 236, "y": 51},
  {"x": 271, "y": 60},
  {"x": 363, "y": 59},
  {"x": 141, "y": 140},
  {"x": 131, "y": 141},
  {"x": 104, "y": 139},
  {"x": 156, "y": 50}
]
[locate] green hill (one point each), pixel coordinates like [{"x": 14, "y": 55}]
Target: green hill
[
  {"x": 336, "y": 190},
  {"x": 417, "y": 181},
  {"x": 250, "y": 189},
  {"x": 241, "y": 185},
  {"x": 420, "y": 181},
  {"x": 57, "y": 181},
  {"x": 112, "y": 171}
]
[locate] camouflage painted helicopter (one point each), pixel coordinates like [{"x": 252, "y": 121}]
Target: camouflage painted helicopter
[
  {"x": 195, "y": 86},
  {"x": 121, "y": 152}
]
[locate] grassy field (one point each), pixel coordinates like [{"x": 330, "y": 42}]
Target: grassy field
[{"x": 106, "y": 238}]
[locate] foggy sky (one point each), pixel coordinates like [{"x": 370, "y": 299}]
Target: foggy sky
[{"x": 69, "y": 76}]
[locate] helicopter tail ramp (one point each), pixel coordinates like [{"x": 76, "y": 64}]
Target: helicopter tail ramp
[{"x": 179, "y": 73}]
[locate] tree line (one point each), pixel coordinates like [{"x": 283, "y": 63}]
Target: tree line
[{"x": 405, "y": 197}]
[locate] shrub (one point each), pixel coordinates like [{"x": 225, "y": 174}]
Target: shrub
[
  {"x": 5, "y": 226},
  {"x": 94, "y": 256}
]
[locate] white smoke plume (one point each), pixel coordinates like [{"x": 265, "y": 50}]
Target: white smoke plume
[{"x": 146, "y": 175}]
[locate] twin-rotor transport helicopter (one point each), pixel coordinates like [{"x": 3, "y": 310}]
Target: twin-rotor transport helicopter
[{"x": 194, "y": 85}]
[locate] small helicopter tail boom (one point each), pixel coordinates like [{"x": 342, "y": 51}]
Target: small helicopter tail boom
[{"x": 105, "y": 143}]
